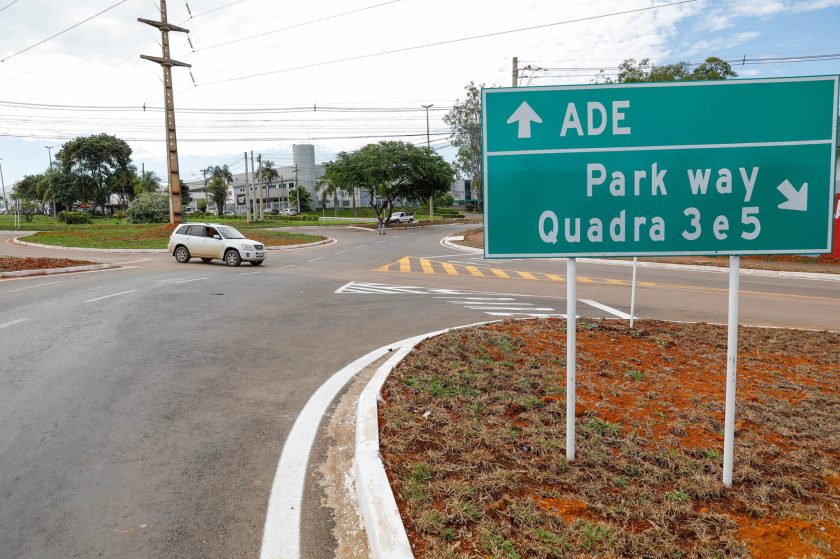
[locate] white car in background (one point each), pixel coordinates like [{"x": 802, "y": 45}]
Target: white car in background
[{"x": 210, "y": 241}]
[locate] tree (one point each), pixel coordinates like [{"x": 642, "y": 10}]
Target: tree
[
  {"x": 124, "y": 183},
  {"x": 392, "y": 170},
  {"x": 630, "y": 71},
  {"x": 269, "y": 175},
  {"x": 27, "y": 188},
  {"x": 328, "y": 188},
  {"x": 148, "y": 181},
  {"x": 149, "y": 207},
  {"x": 305, "y": 199},
  {"x": 97, "y": 157},
  {"x": 60, "y": 187},
  {"x": 186, "y": 198},
  {"x": 465, "y": 120},
  {"x": 224, "y": 175},
  {"x": 217, "y": 191}
]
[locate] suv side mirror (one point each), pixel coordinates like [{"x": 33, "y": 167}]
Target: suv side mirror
[{"x": 219, "y": 237}]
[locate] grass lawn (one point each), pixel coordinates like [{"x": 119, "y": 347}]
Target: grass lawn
[
  {"x": 148, "y": 236},
  {"x": 473, "y": 438}
]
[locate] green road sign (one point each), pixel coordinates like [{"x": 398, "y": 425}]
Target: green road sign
[{"x": 719, "y": 167}]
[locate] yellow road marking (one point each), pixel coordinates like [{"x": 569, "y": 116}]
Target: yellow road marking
[
  {"x": 499, "y": 273},
  {"x": 584, "y": 279},
  {"x": 526, "y": 275},
  {"x": 449, "y": 269},
  {"x": 555, "y": 277},
  {"x": 405, "y": 264},
  {"x": 474, "y": 271},
  {"x": 427, "y": 266}
]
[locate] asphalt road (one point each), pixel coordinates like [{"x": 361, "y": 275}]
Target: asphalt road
[{"x": 144, "y": 408}]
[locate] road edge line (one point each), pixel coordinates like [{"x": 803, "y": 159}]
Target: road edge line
[
  {"x": 53, "y": 271},
  {"x": 281, "y": 531}
]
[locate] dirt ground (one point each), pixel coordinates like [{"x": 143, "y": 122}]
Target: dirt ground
[
  {"x": 473, "y": 438},
  {"x": 14, "y": 264},
  {"x": 785, "y": 263}
]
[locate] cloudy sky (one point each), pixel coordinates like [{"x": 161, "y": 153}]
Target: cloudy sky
[{"x": 271, "y": 73}]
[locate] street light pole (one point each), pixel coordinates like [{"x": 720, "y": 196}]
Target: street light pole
[
  {"x": 429, "y": 147},
  {"x": 3, "y": 183}
]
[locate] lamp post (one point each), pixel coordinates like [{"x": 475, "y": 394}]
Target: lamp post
[
  {"x": 3, "y": 183},
  {"x": 429, "y": 147}
]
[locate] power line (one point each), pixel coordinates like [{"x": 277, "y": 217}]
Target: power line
[
  {"x": 63, "y": 31},
  {"x": 9, "y": 4},
  {"x": 449, "y": 42},
  {"x": 216, "y": 9},
  {"x": 302, "y": 24}
]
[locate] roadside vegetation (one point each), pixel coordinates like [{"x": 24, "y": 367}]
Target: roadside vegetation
[
  {"x": 16, "y": 264},
  {"x": 473, "y": 438},
  {"x": 150, "y": 236}
]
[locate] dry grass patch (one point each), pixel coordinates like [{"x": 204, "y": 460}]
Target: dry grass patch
[
  {"x": 16, "y": 264},
  {"x": 472, "y": 435}
]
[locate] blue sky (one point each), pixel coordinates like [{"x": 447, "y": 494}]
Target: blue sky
[{"x": 97, "y": 64}]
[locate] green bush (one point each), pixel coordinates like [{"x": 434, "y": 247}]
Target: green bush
[
  {"x": 72, "y": 218},
  {"x": 149, "y": 207},
  {"x": 120, "y": 214}
]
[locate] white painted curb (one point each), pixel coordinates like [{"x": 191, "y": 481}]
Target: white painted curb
[
  {"x": 666, "y": 266},
  {"x": 386, "y": 534}
]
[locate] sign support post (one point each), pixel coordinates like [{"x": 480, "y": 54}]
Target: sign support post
[
  {"x": 731, "y": 371},
  {"x": 571, "y": 330},
  {"x": 633, "y": 293}
]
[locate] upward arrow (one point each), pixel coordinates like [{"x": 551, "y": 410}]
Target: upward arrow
[
  {"x": 795, "y": 199},
  {"x": 524, "y": 115}
]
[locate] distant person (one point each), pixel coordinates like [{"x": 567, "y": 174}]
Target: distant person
[{"x": 381, "y": 225}]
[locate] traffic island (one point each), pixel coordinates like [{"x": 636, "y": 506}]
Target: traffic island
[
  {"x": 473, "y": 438},
  {"x": 11, "y": 266}
]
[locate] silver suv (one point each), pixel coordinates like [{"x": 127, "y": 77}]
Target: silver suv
[{"x": 211, "y": 240}]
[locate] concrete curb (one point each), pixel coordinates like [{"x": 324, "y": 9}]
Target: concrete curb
[
  {"x": 686, "y": 267},
  {"x": 53, "y": 271},
  {"x": 386, "y": 534},
  {"x": 17, "y": 241},
  {"x": 327, "y": 241}
]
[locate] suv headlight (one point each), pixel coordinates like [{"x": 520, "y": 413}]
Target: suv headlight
[{"x": 248, "y": 247}]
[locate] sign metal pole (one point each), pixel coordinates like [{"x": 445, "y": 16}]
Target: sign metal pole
[
  {"x": 633, "y": 294},
  {"x": 731, "y": 371},
  {"x": 571, "y": 328}
]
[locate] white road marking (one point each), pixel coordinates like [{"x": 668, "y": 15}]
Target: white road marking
[
  {"x": 281, "y": 534},
  {"x": 378, "y": 242},
  {"x": 33, "y": 287},
  {"x": 111, "y": 295},
  {"x": 246, "y": 273},
  {"x": 189, "y": 280},
  {"x": 470, "y": 299},
  {"x": 316, "y": 259},
  {"x": 603, "y": 307},
  {"x": 537, "y": 315},
  {"x": 361, "y": 246},
  {"x": 284, "y": 267},
  {"x": 340, "y": 252},
  {"x": 397, "y": 237},
  {"x": 12, "y": 323},
  {"x": 516, "y": 308}
]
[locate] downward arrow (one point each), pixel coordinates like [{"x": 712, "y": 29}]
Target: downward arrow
[
  {"x": 524, "y": 115},
  {"x": 795, "y": 200}
]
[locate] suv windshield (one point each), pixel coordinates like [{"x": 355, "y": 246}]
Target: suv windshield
[{"x": 230, "y": 233}]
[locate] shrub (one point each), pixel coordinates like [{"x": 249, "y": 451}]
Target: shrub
[
  {"x": 73, "y": 217},
  {"x": 149, "y": 207},
  {"x": 120, "y": 214}
]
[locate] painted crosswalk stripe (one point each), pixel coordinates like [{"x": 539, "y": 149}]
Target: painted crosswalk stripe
[{"x": 606, "y": 308}]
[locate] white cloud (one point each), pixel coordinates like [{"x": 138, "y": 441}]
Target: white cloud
[{"x": 721, "y": 43}]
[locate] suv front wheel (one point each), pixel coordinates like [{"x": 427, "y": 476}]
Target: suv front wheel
[
  {"x": 232, "y": 258},
  {"x": 182, "y": 255}
]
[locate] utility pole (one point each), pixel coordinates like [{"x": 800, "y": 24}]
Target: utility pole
[
  {"x": 49, "y": 157},
  {"x": 297, "y": 189},
  {"x": 515, "y": 73},
  {"x": 253, "y": 207},
  {"x": 3, "y": 184},
  {"x": 429, "y": 147},
  {"x": 247, "y": 182},
  {"x": 260, "y": 186},
  {"x": 176, "y": 214}
]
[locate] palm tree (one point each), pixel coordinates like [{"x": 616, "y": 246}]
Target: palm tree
[
  {"x": 223, "y": 173},
  {"x": 269, "y": 175},
  {"x": 327, "y": 187}
]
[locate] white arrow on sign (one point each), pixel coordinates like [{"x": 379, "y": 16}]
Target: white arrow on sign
[
  {"x": 796, "y": 199},
  {"x": 524, "y": 115}
]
